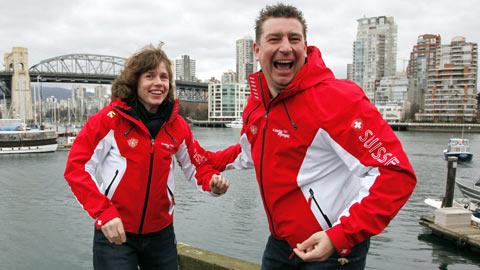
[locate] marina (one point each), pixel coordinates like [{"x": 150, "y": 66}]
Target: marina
[{"x": 35, "y": 192}]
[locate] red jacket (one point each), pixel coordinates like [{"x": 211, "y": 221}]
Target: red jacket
[
  {"x": 324, "y": 158},
  {"x": 115, "y": 168}
]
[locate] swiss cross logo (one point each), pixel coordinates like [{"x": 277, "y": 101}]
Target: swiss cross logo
[
  {"x": 253, "y": 129},
  {"x": 357, "y": 124},
  {"x": 132, "y": 142}
]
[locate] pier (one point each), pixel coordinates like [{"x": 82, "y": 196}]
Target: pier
[
  {"x": 191, "y": 258},
  {"x": 436, "y": 127},
  {"x": 451, "y": 222}
]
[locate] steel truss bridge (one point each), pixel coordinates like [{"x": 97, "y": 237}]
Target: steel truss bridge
[{"x": 91, "y": 69}]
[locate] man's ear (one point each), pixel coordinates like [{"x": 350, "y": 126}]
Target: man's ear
[
  {"x": 306, "y": 46},
  {"x": 256, "y": 51}
]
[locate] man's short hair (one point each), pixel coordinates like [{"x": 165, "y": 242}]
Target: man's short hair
[{"x": 278, "y": 10}]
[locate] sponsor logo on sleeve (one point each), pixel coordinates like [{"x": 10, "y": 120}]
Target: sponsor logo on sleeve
[
  {"x": 373, "y": 144},
  {"x": 200, "y": 159}
]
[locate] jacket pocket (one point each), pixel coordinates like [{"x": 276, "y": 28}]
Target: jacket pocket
[
  {"x": 111, "y": 182},
  {"x": 312, "y": 197}
]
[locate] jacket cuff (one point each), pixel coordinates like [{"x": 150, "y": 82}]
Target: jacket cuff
[
  {"x": 206, "y": 182},
  {"x": 339, "y": 240},
  {"x": 107, "y": 215}
]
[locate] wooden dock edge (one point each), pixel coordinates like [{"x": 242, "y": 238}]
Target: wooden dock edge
[
  {"x": 192, "y": 258},
  {"x": 463, "y": 236}
]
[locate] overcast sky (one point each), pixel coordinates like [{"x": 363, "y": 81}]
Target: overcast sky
[{"x": 207, "y": 30}]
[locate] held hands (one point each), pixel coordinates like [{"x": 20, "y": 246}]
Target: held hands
[
  {"x": 218, "y": 184},
  {"x": 114, "y": 232},
  {"x": 317, "y": 247}
]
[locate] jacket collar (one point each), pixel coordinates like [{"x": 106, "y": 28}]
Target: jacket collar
[
  {"x": 122, "y": 106},
  {"x": 312, "y": 73}
]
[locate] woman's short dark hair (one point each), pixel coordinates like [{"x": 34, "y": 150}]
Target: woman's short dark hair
[{"x": 125, "y": 85}]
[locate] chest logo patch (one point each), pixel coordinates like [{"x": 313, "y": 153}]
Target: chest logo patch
[
  {"x": 132, "y": 142},
  {"x": 111, "y": 114},
  {"x": 253, "y": 129}
]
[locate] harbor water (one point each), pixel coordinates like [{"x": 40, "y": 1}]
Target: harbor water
[{"x": 43, "y": 227}]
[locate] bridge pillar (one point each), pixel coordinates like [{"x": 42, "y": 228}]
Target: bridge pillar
[{"x": 21, "y": 105}]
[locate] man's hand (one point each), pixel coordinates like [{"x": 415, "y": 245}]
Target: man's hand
[
  {"x": 114, "y": 232},
  {"x": 218, "y": 184},
  {"x": 317, "y": 247}
]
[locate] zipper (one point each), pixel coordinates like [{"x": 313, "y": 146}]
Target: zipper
[
  {"x": 288, "y": 115},
  {"x": 261, "y": 163},
  {"x": 312, "y": 196},
  {"x": 145, "y": 204},
  {"x": 110, "y": 185},
  {"x": 171, "y": 195}
]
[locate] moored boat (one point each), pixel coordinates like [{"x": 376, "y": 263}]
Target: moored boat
[
  {"x": 15, "y": 138},
  {"x": 458, "y": 147},
  {"x": 470, "y": 190},
  {"x": 238, "y": 123}
]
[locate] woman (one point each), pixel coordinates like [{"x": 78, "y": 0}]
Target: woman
[{"x": 120, "y": 167}]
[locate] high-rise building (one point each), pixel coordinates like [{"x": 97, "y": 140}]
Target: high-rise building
[
  {"x": 452, "y": 84},
  {"x": 350, "y": 72},
  {"x": 229, "y": 77},
  {"x": 374, "y": 52},
  {"x": 185, "y": 68},
  {"x": 246, "y": 63},
  {"x": 422, "y": 59}
]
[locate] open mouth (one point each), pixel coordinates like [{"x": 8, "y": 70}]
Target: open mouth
[
  {"x": 156, "y": 92},
  {"x": 283, "y": 64}
]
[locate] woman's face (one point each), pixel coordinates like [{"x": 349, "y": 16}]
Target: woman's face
[{"x": 153, "y": 87}]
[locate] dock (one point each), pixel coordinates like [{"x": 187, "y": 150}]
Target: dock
[
  {"x": 452, "y": 222},
  {"x": 192, "y": 258},
  {"x": 465, "y": 236}
]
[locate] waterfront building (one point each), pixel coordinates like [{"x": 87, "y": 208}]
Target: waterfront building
[
  {"x": 102, "y": 95},
  {"x": 79, "y": 93},
  {"x": 21, "y": 95},
  {"x": 226, "y": 101},
  {"x": 452, "y": 84},
  {"x": 374, "y": 52},
  {"x": 246, "y": 63},
  {"x": 391, "y": 95},
  {"x": 229, "y": 77},
  {"x": 185, "y": 68},
  {"x": 350, "y": 72},
  {"x": 392, "y": 89},
  {"x": 422, "y": 60}
]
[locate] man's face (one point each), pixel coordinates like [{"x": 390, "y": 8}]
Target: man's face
[{"x": 281, "y": 51}]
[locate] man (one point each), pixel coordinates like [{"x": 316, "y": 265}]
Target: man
[{"x": 331, "y": 171}]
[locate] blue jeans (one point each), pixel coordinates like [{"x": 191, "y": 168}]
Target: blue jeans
[
  {"x": 277, "y": 255},
  {"x": 149, "y": 251}
]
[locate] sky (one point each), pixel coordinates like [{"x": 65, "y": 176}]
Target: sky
[{"x": 207, "y": 30}]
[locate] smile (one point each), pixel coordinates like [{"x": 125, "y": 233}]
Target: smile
[{"x": 283, "y": 64}]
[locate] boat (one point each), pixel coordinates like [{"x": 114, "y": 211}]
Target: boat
[
  {"x": 238, "y": 123},
  {"x": 470, "y": 190},
  {"x": 17, "y": 138},
  {"x": 458, "y": 147}
]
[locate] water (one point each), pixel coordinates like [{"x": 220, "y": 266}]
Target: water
[{"x": 43, "y": 227}]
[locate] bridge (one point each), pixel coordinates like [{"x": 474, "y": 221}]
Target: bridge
[{"x": 91, "y": 69}]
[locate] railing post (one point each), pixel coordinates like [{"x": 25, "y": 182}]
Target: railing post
[{"x": 450, "y": 185}]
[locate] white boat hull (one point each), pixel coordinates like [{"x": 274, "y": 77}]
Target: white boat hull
[{"x": 29, "y": 149}]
